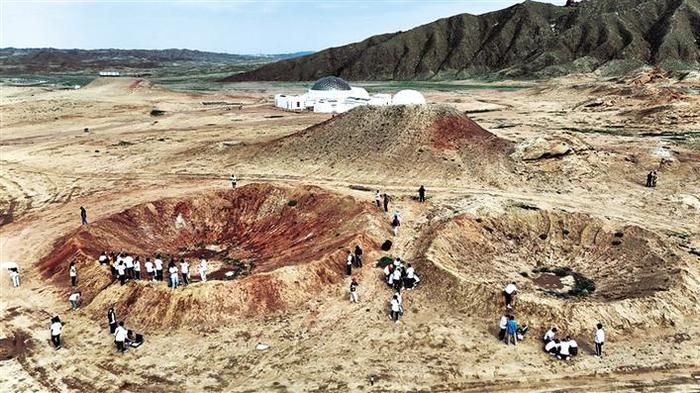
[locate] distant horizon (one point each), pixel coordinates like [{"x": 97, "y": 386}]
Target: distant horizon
[
  {"x": 239, "y": 27},
  {"x": 158, "y": 49}
]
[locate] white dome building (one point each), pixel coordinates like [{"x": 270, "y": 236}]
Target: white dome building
[
  {"x": 332, "y": 94},
  {"x": 408, "y": 97}
]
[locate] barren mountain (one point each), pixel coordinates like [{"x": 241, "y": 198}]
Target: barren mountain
[{"x": 613, "y": 36}]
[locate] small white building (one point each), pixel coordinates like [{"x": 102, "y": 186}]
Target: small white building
[
  {"x": 331, "y": 94},
  {"x": 109, "y": 73}
]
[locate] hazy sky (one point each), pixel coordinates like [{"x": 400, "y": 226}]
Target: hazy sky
[{"x": 240, "y": 26}]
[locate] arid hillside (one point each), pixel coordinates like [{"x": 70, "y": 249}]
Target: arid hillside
[{"x": 531, "y": 38}]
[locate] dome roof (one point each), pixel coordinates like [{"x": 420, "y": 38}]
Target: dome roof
[
  {"x": 331, "y": 83},
  {"x": 408, "y": 97}
]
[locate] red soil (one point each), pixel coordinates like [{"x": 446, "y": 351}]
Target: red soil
[{"x": 456, "y": 132}]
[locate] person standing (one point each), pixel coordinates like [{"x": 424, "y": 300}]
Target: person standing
[
  {"x": 83, "y": 216},
  {"x": 386, "y": 203},
  {"x": 120, "y": 334},
  {"x": 129, "y": 263},
  {"x": 137, "y": 268},
  {"x": 174, "y": 281},
  {"x": 185, "y": 270},
  {"x": 14, "y": 276},
  {"x": 395, "y": 309},
  {"x": 421, "y": 194},
  {"x": 599, "y": 340},
  {"x": 112, "y": 320},
  {"x": 74, "y": 300},
  {"x": 508, "y": 292},
  {"x": 121, "y": 272},
  {"x": 233, "y": 181},
  {"x": 73, "y": 273},
  {"x": 358, "y": 256},
  {"x": 378, "y": 199},
  {"x": 158, "y": 263},
  {"x": 650, "y": 178},
  {"x": 511, "y": 330},
  {"x": 502, "y": 325},
  {"x": 56, "y": 329},
  {"x": 353, "y": 291},
  {"x": 148, "y": 265},
  {"x": 203, "y": 267},
  {"x": 395, "y": 223},
  {"x": 348, "y": 263}
]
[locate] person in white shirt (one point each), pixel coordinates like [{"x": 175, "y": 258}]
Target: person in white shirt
[
  {"x": 396, "y": 279},
  {"x": 550, "y": 335},
  {"x": 348, "y": 263},
  {"x": 353, "y": 291},
  {"x": 378, "y": 199},
  {"x": 185, "y": 270},
  {"x": 74, "y": 300},
  {"x": 508, "y": 292},
  {"x": 564, "y": 353},
  {"x": 120, "y": 337},
  {"x": 158, "y": 262},
  {"x": 121, "y": 272},
  {"x": 103, "y": 258},
  {"x": 599, "y": 340},
  {"x": 174, "y": 280},
  {"x": 55, "y": 330},
  {"x": 129, "y": 263},
  {"x": 137, "y": 268},
  {"x": 395, "y": 309},
  {"x": 552, "y": 347},
  {"x": 233, "y": 181},
  {"x": 73, "y": 273},
  {"x": 387, "y": 274},
  {"x": 14, "y": 276},
  {"x": 150, "y": 272},
  {"x": 410, "y": 280},
  {"x": 573, "y": 346},
  {"x": 502, "y": 327},
  {"x": 203, "y": 267}
]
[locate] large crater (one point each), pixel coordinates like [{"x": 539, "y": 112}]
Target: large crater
[
  {"x": 638, "y": 277},
  {"x": 291, "y": 241}
]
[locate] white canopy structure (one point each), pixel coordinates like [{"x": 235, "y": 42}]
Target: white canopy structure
[{"x": 332, "y": 94}]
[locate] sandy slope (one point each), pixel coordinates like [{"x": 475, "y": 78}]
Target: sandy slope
[{"x": 445, "y": 341}]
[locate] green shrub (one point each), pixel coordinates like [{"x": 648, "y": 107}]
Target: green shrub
[
  {"x": 292, "y": 203},
  {"x": 384, "y": 261}
]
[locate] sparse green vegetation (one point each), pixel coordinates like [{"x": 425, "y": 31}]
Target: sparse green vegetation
[{"x": 292, "y": 203}]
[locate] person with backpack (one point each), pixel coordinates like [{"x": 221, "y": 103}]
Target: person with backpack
[
  {"x": 511, "y": 331},
  {"x": 353, "y": 291}
]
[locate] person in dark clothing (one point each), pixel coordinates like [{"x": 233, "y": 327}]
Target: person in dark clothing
[
  {"x": 358, "y": 256},
  {"x": 112, "y": 320},
  {"x": 421, "y": 194},
  {"x": 386, "y": 203},
  {"x": 83, "y": 216},
  {"x": 650, "y": 178}
]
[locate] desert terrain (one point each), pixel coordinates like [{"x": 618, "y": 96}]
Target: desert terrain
[{"x": 519, "y": 176}]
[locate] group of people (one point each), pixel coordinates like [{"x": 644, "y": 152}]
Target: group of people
[
  {"x": 123, "y": 338},
  {"x": 651, "y": 179},
  {"x": 125, "y": 267},
  {"x": 564, "y": 349},
  {"x": 354, "y": 259},
  {"x": 400, "y": 276},
  {"x": 509, "y": 331}
]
